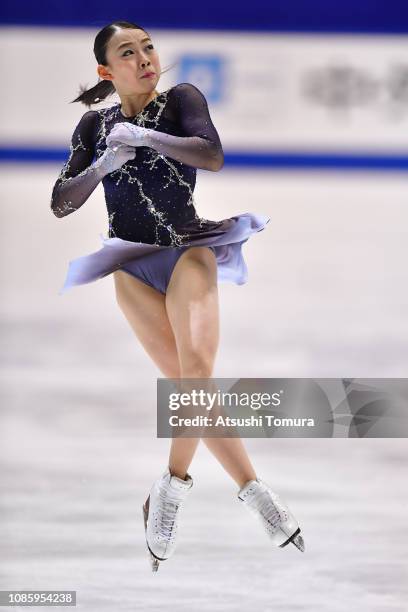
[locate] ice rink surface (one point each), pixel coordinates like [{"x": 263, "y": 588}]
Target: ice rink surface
[{"x": 326, "y": 297}]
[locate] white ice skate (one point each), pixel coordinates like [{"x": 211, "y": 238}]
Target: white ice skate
[
  {"x": 161, "y": 512},
  {"x": 274, "y": 514}
]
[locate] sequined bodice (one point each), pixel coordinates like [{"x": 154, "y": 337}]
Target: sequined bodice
[
  {"x": 151, "y": 195},
  {"x": 149, "y": 198}
]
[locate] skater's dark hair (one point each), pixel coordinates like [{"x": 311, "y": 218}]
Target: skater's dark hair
[{"x": 104, "y": 88}]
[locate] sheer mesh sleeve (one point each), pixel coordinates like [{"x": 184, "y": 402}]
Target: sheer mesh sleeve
[
  {"x": 78, "y": 178},
  {"x": 201, "y": 146}
]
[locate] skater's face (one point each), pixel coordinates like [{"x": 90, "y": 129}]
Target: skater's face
[{"x": 130, "y": 54}]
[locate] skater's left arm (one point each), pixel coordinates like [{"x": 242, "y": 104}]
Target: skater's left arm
[{"x": 200, "y": 148}]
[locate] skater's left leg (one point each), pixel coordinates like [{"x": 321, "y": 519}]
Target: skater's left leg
[
  {"x": 192, "y": 307},
  {"x": 144, "y": 308}
]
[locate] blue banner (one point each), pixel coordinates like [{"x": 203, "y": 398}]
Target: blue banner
[{"x": 382, "y": 16}]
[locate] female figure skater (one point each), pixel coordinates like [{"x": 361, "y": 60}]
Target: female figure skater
[{"x": 165, "y": 259}]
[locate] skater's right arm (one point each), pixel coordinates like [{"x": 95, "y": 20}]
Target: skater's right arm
[{"x": 79, "y": 176}]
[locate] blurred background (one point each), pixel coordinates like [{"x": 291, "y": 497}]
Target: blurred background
[{"x": 311, "y": 103}]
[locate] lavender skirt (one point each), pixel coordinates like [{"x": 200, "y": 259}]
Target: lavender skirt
[{"x": 225, "y": 237}]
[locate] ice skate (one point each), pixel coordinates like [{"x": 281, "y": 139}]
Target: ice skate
[
  {"x": 161, "y": 512},
  {"x": 274, "y": 514}
]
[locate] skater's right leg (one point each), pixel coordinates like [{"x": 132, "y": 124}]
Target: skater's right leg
[{"x": 145, "y": 310}]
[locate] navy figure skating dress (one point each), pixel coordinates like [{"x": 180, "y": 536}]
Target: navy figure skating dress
[{"x": 149, "y": 199}]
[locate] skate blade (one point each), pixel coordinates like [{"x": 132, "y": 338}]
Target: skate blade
[
  {"x": 299, "y": 543},
  {"x": 295, "y": 539},
  {"x": 153, "y": 561}
]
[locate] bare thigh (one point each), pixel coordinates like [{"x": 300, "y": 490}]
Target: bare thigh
[
  {"x": 193, "y": 311},
  {"x": 145, "y": 309}
]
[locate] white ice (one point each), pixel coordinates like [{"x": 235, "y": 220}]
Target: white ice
[{"x": 327, "y": 297}]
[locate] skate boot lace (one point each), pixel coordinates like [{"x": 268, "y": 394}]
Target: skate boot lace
[
  {"x": 263, "y": 503},
  {"x": 168, "y": 511}
]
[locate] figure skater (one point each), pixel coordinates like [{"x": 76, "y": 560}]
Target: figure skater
[{"x": 165, "y": 258}]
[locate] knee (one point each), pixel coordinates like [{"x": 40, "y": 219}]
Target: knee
[{"x": 196, "y": 364}]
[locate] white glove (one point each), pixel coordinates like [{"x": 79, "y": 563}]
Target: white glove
[
  {"x": 114, "y": 157},
  {"x": 128, "y": 133}
]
